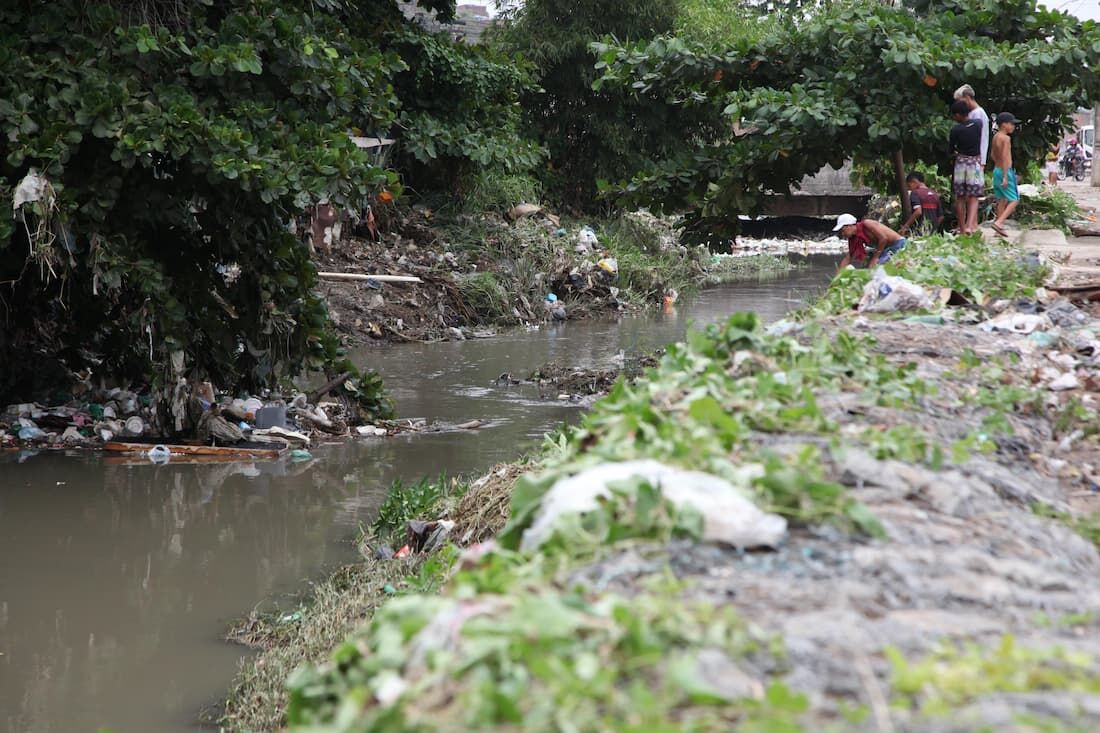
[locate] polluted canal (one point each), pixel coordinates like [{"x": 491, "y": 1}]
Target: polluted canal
[{"x": 116, "y": 581}]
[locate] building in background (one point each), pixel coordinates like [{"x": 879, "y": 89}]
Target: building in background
[{"x": 469, "y": 23}]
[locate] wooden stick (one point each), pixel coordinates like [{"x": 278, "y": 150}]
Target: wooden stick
[
  {"x": 356, "y": 277},
  {"x": 328, "y": 387}
]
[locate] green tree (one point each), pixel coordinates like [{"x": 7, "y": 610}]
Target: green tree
[
  {"x": 852, "y": 80},
  {"x": 590, "y": 134},
  {"x": 160, "y": 150}
]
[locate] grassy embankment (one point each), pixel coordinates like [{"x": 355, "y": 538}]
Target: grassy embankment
[{"x": 541, "y": 649}]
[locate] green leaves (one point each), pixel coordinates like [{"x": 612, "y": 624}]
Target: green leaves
[
  {"x": 177, "y": 150},
  {"x": 848, "y": 81}
]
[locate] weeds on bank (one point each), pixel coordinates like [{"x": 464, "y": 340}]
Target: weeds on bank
[
  {"x": 957, "y": 674},
  {"x": 712, "y": 399},
  {"x": 1086, "y": 525},
  {"x": 424, "y": 499},
  {"x": 546, "y": 660},
  {"x": 968, "y": 265}
]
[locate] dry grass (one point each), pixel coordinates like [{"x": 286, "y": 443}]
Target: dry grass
[
  {"x": 339, "y": 605},
  {"x": 483, "y": 510}
]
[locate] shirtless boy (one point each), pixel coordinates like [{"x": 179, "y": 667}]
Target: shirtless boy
[
  {"x": 862, "y": 235},
  {"x": 1004, "y": 177}
]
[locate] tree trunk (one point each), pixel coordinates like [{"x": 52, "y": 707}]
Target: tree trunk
[
  {"x": 1095, "y": 148},
  {"x": 903, "y": 190}
]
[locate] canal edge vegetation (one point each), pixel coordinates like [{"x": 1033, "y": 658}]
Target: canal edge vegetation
[{"x": 743, "y": 403}]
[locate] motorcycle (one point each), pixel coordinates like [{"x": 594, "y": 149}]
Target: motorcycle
[{"x": 1073, "y": 165}]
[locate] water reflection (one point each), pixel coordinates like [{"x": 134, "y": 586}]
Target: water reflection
[{"x": 116, "y": 581}]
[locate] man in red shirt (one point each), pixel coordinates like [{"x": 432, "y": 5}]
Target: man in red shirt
[
  {"x": 867, "y": 234},
  {"x": 925, "y": 203}
]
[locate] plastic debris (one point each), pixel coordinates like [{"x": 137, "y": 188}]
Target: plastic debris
[
  {"x": 159, "y": 454},
  {"x": 890, "y": 293},
  {"x": 609, "y": 265},
  {"x": 32, "y": 432},
  {"x": 271, "y": 416},
  {"x": 587, "y": 239},
  {"x": 298, "y": 454},
  {"x": 729, "y": 516},
  {"x": 72, "y": 435},
  {"x": 427, "y": 536},
  {"x": 1043, "y": 339},
  {"x": 1023, "y": 323}
]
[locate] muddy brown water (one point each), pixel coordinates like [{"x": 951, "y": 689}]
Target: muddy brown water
[{"x": 117, "y": 582}]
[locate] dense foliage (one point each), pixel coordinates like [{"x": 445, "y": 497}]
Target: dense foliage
[
  {"x": 165, "y": 147},
  {"x": 856, "y": 80},
  {"x": 593, "y": 134}
]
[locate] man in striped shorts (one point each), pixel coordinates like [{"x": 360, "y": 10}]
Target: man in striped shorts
[{"x": 969, "y": 180}]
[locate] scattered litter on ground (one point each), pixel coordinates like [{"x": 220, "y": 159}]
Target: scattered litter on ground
[{"x": 890, "y": 293}]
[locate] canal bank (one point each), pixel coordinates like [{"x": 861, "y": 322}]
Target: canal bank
[
  {"x": 118, "y": 582},
  {"x": 924, "y": 563}
]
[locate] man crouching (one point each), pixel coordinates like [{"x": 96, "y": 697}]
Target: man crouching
[{"x": 866, "y": 234}]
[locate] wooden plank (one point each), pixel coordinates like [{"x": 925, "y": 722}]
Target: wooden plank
[
  {"x": 196, "y": 450},
  {"x": 357, "y": 277}
]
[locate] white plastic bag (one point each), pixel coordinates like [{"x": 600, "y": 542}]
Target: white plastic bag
[
  {"x": 729, "y": 515},
  {"x": 586, "y": 240},
  {"x": 890, "y": 293}
]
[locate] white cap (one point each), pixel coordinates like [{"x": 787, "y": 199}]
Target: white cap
[{"x": 844, "y": 220}]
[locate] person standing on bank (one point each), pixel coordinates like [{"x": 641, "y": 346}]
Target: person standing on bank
[
  {"x": 968, "y": 182},
  {"x": 925, "y": 203},
  {"x": 965, "y": 93},
  {"x": 1004, "y": 176},
  {"x": 862, "y": 235}
]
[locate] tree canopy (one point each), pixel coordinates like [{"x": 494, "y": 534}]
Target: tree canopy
[
  {"x": 591, "y": 134},
  {"x": 850, "y": 80}
]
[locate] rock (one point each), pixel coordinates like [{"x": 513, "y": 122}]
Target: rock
[
  {"x": 1065, "y": 382},
  {"x": 711, "y": 673},
  {"x": 376, "y": 302},
  {"x": 523, "y": 211}
]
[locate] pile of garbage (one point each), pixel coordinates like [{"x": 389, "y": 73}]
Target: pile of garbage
[
  {"x": 103, "y": 416},
  {"x": 748, "y": 246},
  {"x": 193, "y": 414}
]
